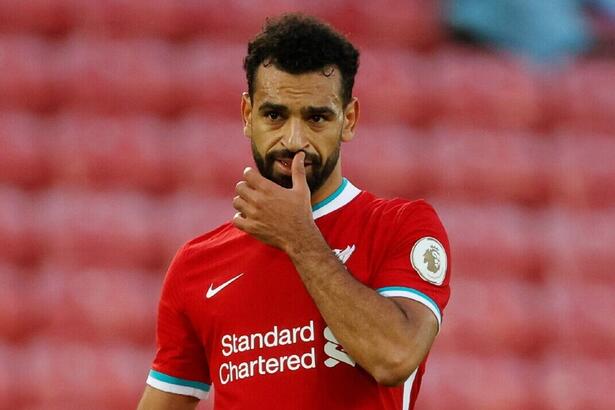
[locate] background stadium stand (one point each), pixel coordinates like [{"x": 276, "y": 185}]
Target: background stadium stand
[{"x": 120, "y": 138}]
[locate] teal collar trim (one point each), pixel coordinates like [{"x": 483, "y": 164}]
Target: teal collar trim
[
  {"x": 331, "y": 197},
  {"x": 345, "y": 193}
]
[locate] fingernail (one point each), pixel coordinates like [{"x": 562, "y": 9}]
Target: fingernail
[{"x": 246, "y": 169}]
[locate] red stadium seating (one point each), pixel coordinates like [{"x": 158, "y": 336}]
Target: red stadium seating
[
  {"x": 20, "y": 314},
  {"x": 393, "y": 160},
  {"x": 22, "y": 150},
  {"x": 121, "y": 139},
  {"x": 100, "y": 229},
  {"x": 495, "y": 316},
  {"x": 395, "y": 86},
  {"x": 484, "y": 91},
  {"x": 25, "y": 82},
  {"x": 208, "y": 77},
  {"x": 406, "y": 23},
  {"x": 586, "y": 170},
  {"x": 89, "y": 376},
  {"x": 479, "y": 382},
  {"x": 573, "y": 382},
  {"x": 105, "y": 152},
  {"x": 578, "y": 244},
  {"x": 210, "y": 156},
  {"x": 487, "y": 240},
  {"x": 19, "y": 242},
  {"x": 38, "y": 16},
  {"x": 582, "y": 97},
  {"x": 491, "y": 165},
  {"x": 579, "y": 312},
  {"x": 188, "y": 215},
  {"x": 116, "y": 76},
  {"x": 119, "y": 309}
]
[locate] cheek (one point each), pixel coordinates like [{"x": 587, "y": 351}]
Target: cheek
[
  {"x": 264, "y": 138},
  {"x": 326, "y": 143}
]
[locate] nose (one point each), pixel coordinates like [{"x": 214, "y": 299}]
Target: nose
[{"x": 296, "y": 137}]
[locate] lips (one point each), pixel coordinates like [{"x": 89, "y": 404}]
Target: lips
[{"x": 288, "y": 162}]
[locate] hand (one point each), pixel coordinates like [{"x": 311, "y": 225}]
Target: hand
[{"x": 275, "y": 215}]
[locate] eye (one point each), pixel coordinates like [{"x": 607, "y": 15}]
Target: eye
[
  {"x": 317, "y": 118},
  {"x": 272, "y": 115}
]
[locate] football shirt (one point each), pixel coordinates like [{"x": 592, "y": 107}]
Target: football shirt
[{"x": 235, "y": 314}]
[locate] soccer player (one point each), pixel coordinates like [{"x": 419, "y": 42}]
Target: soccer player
[{"x": 317, "y": 295}]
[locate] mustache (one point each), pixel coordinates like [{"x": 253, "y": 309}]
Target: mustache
[{"x": 310, "y": 158}]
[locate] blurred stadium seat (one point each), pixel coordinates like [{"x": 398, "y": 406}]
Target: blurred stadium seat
[
  {"x": 490, "y": 239},
  {"x": 111, "y": 152},
  {"x": 103, "y": 229},
  {"x": 578, "y": 244},
  {"x": 80, "y": 306},
  {"x": 583, "y": 98},
  {"x": 484, "y": 91},
  {"x": 573, "y": 302},
  {"x": 22, "y": 150},
  {"x": 565, "y": 382},
  {"x": 406, "y": 79},
  {"x": 491, "y": 165},
  {"x": 19, "y": 242},
  {"x": 586, "y": 170},
  {"x": 496, "y": 316},
  {"x": 25, "y": 82},
  {"x": 20, "y": 316},
  {"x": 479, "y": 382},
  {"x": 115, "y": 76}
]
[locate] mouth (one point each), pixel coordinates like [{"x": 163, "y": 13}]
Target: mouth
[{"x": 285, "y": 165}]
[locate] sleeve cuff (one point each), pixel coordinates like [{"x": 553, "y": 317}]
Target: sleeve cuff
[
  {"x": 409, "y": 293},
  {"x": 176, "y": 385}
]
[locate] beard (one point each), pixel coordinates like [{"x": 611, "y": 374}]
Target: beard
[{"x": 315, "y": 179}]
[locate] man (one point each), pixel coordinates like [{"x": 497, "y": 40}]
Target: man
[{"x": 317, "y": 295}]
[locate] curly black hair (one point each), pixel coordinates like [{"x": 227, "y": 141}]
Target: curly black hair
[{"x": 299, "y": 44}]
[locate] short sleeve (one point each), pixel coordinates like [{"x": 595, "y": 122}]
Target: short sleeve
[
  {"x": 417, "y": 261},
  {"x": 180, "y": 364}
]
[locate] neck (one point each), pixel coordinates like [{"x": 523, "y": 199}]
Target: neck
[{"x": 329, "y": 187}]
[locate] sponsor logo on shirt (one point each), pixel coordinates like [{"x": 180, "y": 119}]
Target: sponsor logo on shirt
[
  {"x": 335, "y": 351},
  {"x": 232, "y": 344},
  {"x": 345, "y": 254}
]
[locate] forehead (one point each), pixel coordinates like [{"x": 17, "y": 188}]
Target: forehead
[{"x": 313, "y": 88}]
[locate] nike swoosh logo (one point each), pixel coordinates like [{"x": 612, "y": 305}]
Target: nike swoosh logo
[{"x": 211, "y": 292}]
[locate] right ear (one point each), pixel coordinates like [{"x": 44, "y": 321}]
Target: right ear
[{"x": 246, "y": 114}]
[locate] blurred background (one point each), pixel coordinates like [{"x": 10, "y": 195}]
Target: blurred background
[{"x": 120, "y": 139}]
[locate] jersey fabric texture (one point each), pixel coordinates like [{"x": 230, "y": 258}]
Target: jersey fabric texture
[{"x": 235, "y": 314}]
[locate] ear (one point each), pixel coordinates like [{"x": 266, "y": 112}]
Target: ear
[
  {"x": 246, "y": 114},
  {"x": 351, "y": 117}
]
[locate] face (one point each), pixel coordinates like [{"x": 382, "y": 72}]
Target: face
[{"x": 292, "y": 113}]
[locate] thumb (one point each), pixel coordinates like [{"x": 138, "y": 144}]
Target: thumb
[{"x": 298, "y": 170}]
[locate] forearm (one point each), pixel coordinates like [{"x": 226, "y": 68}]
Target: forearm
[{"x": 373, "y": 330}]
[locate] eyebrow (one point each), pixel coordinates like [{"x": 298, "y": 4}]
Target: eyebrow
[
  {"x": 269, "y": 106},
  {"x": 307, "y": 111},
  {"x": 326, "y": 111}
]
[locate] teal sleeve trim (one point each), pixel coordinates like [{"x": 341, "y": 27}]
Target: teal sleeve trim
[
  {"x": 413, "y": 291},
  {"x": 177, "y": 381}
]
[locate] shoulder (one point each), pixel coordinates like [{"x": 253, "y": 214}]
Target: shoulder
[
  {"x": 194, "y": 252},
  {"x": 396, "y": 211}
]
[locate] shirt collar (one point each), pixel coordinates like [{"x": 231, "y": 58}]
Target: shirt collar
[{"x": 345, "y": 193}]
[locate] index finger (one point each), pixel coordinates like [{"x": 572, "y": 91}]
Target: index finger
[{"x": 254, "y": 179}]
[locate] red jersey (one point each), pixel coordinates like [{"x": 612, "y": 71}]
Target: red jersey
[{"x": 235, "y": 314}]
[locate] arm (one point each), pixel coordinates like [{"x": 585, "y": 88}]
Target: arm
[
  {"x": 154, "y": 399},
  {"x": 389, "y": 338}
]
